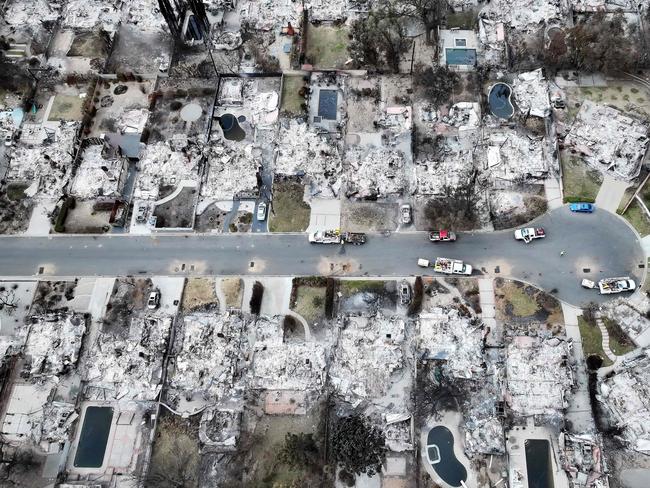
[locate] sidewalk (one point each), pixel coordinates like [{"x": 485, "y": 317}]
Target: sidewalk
[
  {"x": 553, "y": 193},
  {"x": 610, "y": 194}
]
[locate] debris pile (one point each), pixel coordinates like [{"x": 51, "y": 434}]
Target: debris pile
[
  {"x": 303, "y": 152},
  {"x": 364, "y": 343},
  {"x": 53, "y": 342},
  {"x": 609, "y": 140},
  {"x": 531, "y": 93},
  {"x": 44, "y": 158},
  {"x": 537, "y": 374},
  {"x": 161, "y": 164},
  {"x": 453, "y": 340},
  {"x": 435, "y": 176},
  {"x": 88, "y": 14},
  {"x": 514, "y": 157},
  {"x": 206, "y": 363},
  {"x": 375, "y": 172},
  {"x": 219, "y": 429},
  {"x": 631, "y": 318},
  {"x": 625, "y": 394},
  {"x": 32, "y": 13},
  {"x": 129, "y": 367},
  {"x": 230, "y": 171},
  {"x": 98, "y": 175},
  {"x": 523, "y": 14},
  {"x": 581, "y": 457}
]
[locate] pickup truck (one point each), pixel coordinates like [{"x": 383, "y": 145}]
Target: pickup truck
[
  {"x": 442, "y": 236},
  {"x": 447, "y": 266},
  {"x": 608, "y": 286},
  {"x": 529, "y": 233},
  {"x": 336, "y": 237}
]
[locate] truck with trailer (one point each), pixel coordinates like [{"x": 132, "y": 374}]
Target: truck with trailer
[
  {"x": 446, "y": 266},
  {"x": 337, "y": 237}
]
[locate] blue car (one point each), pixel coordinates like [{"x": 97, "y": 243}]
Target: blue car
[{"x": 581, "y": 207}]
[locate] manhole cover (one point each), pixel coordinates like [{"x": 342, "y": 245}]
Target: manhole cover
[{"x": 191, "y": 112}]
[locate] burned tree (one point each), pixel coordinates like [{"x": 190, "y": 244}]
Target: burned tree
[
  {"x": 358, "y": 446},
  {"x": 8, "y": 300},
  {"x": 300, "y": 451},
  {"x": 437, "y": 83},
  {"x": 256, "y": 298},
  {"x": 429, "y": 12},
  {"x": 379, "y": 40}
]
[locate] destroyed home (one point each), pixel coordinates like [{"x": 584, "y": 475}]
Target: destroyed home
[
  {"x": 609, "y": 140},
  {"x": 102, "y": 172},
  {"x": 538, "y": 376}
]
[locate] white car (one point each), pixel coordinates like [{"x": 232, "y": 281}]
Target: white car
[
  {"x": 530, "y": 233},
  {"x": 261, "y": 211},
  {"x": 8, "y": 139},
  {"x": 405, "y": 213},
  {"x": 154, "y": 300}
]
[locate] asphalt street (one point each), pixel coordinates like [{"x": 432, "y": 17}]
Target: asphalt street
[{"x": 595, "y": 246}]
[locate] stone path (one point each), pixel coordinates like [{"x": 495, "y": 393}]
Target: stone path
[{"x": 603, "y": 330}]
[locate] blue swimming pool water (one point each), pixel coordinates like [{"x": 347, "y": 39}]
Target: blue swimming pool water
[
  {"x": 499, "y": 101},
  {"x": 460, "y": 56},
  {"x": 450, "y": 469},
  {"x": 327, "y": 100},
  {"x": 93, "y": 438},
  {"x": 231, "y": 129}
]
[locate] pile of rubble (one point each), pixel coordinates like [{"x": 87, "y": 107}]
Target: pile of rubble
[
  {"x": 514, "y": 157},
  {"x": 522, "y": 14},
  {"x": 375, "y": 172},
  {"x": 230, "y": 171},
  {"x": 30, "y": 13},
  {"x": 98, "y": 175},
  {"x": 163, "y": 164},
  {"x": 531, "y": 93},
  {"x": 146, "y": 15},
  {"x": 433, "y": 177},
  {"x": 219, "y": 429},
  {"x": 207, "y": 361},
  {"x": 492, "y": 35},
  {"x": 303, "y": 152},
  {"x": 625, "y": 394},
  {"x": 453, "y": 340},
  {"x": 364, "y": 343},
  {"x": 538, "y": 375},
  {"x": 53, "y": 342},
  {"x": 581, "y": 457},
  {"x": 632, "y": 318},
  {"x": 44, "y": 158},
  {"x": 609, "y": 140},
  {"x": 88, "y": 14},
  {"x": 270, "y": 14},
  {"x": 129, "y": 367}
]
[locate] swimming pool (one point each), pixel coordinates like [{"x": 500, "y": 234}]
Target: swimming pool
[
  {"x": 460, "y": 56},
  {"x": 538, "y": 463},
  {"x": 327, "y": 100},
  {"x": 440, "y": 453},
  {"x": 230, "y": 126},
  {"x": 93, "y": 437},
  {"x": 499, "y": 101}
]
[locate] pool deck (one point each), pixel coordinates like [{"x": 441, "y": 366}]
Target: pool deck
[
  {"x": 515, "y": 446},
  {"x": 452, "y": 421}
]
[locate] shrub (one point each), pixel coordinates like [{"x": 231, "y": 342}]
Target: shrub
[{"x": 256, "y": 298}]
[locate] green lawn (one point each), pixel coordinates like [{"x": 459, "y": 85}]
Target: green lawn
[
  {"x": 289, "y": 212},
  {"x": 580, "y": 182},
  {"x": 310, "y": 302},
  {"x": 637, "y": 217},
  {"x": 327, "y": 46},
  {"x": 292, "y": 102},
  {"x": 592, "y": 341},
  {"x": 619, "y": 342},
  {"x": 350, "y": 287}
]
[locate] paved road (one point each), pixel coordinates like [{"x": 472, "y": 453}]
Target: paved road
[{"x": 600, "y": 242}]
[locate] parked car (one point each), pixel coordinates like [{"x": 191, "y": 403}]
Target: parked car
[
  {"x": 582, "y": 207},
  {"x": 405, "y": 292},
  {"x": 154, "y": 300},
  {"x": 261, "y": 211},
  {"x": 442, "y": 236},
  {"x": 529, "y": 234},
  {"x": 405, "y": 213},
  {"x": 8, "y": 139}
]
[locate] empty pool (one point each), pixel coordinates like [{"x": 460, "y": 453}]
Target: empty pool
[
  {"x": 327, "y": 100},
  {"x": 440, "y": 453},
  {"x": 93, "y": 438},
  {"x": 538, "y": 463},
  {"x": 230, "y": 126},
  {"x": 499, "y": 100}
]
